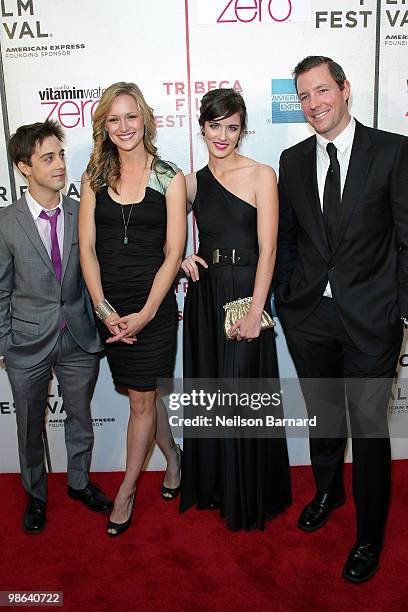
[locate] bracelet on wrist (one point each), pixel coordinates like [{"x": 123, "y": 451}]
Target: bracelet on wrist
[{"x": 103, "y": 310}]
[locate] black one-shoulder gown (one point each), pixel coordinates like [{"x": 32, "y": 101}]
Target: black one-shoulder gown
[{"x": 247, "y": 478}]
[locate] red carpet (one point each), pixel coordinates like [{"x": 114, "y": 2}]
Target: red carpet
[{"x": 171, "y": 562}]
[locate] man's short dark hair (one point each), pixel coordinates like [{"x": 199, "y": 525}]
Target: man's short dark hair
[
  {"x": 312, "y": 61},
  {"x": 22, "y": 144}
]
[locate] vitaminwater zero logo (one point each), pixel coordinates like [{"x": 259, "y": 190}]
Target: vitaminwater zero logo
[
  {"x": 286, "y": 107},
  {"x": 13, "y": 27},
  {"x": 71, "y": 106},
  {"x": 234, "y": 11},
  {"x": 252, "y": 11}
]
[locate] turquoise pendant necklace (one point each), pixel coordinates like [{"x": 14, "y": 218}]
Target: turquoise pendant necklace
[{"x": 126, "y": 224}]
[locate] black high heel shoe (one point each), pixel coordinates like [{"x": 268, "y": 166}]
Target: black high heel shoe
[
  {"x": 116, "y": 529},
  {"x": 167, "y": 493}
]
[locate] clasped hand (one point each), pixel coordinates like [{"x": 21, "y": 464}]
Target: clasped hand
[
  {"x": 124, "y": 329},
  {"x": 248, "y": 327}
]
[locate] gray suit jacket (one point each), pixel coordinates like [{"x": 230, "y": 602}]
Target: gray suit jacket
[{"x": 32, "y": 301}]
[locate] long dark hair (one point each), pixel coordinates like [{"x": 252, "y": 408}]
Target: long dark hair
[{"x": 221, "y": 104}]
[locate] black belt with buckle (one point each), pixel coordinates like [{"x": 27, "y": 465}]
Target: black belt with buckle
[{"x": 234, "y": 257}]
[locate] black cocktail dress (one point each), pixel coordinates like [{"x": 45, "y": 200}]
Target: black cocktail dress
[{"x": 127, "y": 274}]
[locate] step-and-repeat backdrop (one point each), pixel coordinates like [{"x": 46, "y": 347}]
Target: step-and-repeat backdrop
[{"x": 57, "y": 58}]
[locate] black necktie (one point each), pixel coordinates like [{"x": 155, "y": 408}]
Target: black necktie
[{"x": 332, "y": 195}]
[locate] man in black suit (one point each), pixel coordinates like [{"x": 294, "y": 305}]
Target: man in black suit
[{"x": 341, "y": 291}]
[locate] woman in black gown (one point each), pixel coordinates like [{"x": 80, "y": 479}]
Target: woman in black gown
[
  {"x": 235, "y": 203},
  {"x": 132, "y": 234}
]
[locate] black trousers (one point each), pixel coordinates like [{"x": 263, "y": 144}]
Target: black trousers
[{"x": 335, "y": 375}]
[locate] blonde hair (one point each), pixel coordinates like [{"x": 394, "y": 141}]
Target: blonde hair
[{"x": 104, "y": 166}]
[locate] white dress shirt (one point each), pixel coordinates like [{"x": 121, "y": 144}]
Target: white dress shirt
[
  {"x": 43, "y": 226},
  {"x": 343, "y": 143}
]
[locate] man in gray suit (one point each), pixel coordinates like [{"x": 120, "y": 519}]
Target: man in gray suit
[{"x": 45, "y": 319}]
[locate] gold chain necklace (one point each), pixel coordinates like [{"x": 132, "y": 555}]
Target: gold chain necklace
[{"x": 126, "y": 222}]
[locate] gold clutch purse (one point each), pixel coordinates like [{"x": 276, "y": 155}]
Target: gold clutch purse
[{"x": 238, "y": 309}]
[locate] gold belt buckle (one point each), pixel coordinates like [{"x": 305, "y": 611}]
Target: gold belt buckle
[{"x": 216, "y": 256}]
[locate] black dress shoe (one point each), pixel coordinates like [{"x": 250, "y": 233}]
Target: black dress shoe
[
  {"x": 93, "y": 497},
  {"x": 362, "y": 563},
  {"x": 34, "y": 515},
  {"x": 315, "y": 514}
]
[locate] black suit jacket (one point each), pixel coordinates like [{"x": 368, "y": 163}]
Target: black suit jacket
[{"x": 368, "y": 264}]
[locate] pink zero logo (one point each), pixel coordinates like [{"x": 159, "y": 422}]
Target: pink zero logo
[
  {"x": 71, "y": 113},
  {"x": 246, "y": 11}
]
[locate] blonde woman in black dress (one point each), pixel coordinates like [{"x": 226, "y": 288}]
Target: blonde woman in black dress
[
  {"x": 132, "y": 235},
  {"x": 235, "y": 202}
]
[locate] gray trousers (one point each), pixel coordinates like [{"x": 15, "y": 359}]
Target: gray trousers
[{"x": 76, "y": 371}]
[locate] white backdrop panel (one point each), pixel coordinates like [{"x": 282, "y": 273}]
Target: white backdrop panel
[
  {"x": 393, "y": 85},
  {"x": 58, "y": 57},
  {"x": 5, "y": 194}
]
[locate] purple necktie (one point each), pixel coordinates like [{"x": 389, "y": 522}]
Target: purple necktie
[{"x": 55, "y": 250}]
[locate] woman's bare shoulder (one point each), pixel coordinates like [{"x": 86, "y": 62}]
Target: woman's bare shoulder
[
  {"x": 256, "y": 167},
  {"x": 264, "y": 172},
  {"x": 262, "y": 168}
]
